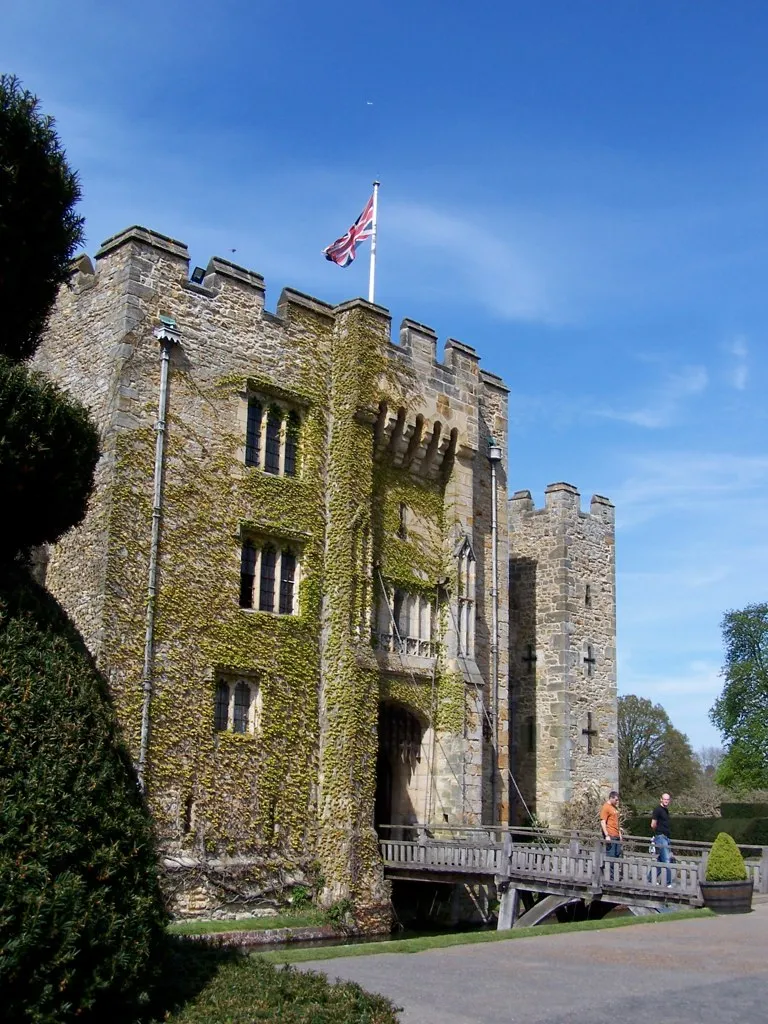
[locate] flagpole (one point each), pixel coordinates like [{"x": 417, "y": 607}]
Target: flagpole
[{"x": 374, "y": 228}]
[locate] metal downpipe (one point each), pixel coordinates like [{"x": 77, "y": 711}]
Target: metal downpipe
[{"x": 167, "y": 335}]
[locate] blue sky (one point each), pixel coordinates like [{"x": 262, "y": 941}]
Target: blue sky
[{"x": 576, "y": 188}]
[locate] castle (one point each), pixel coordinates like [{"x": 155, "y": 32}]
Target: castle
[{"x": 318, "y": 613}]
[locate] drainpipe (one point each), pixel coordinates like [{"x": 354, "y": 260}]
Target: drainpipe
[
  {"x": 168, "y": 335},
  {"x": 494, "y": 457}
]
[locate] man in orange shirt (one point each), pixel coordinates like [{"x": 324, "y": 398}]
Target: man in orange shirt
[{"x": 609, "y": 823}]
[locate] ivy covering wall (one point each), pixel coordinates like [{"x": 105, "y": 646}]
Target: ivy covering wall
[{"x": 297, "y": 796}]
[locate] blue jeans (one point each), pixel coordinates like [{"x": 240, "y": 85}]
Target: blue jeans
[
  {"x": 613, "y": 849},
  {"x": 663, "y": 856}
]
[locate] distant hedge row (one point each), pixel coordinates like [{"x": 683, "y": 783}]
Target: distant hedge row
[
  {"x": 705, "y": 830},
  {"x": 744, "y": 810}
]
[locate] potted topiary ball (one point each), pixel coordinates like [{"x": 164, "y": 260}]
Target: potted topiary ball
[{"x": 726, "y": 889}]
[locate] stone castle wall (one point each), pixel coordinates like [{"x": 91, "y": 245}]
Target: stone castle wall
[
  {"x": 562, "y": 648},
  {"x": 381, "y": 424}
]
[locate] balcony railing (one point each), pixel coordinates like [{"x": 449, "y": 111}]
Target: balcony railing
[{"x": 409, "y": 646}]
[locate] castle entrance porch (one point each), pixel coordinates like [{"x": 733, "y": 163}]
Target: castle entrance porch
[{"x": 402, "y": 772}]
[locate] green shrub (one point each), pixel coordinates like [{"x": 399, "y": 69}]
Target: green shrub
[
  {"x": 48, "y": 451},
  {"x": 81, "y": 918},
  {"x": 339, "y": 913},
  {"x": 725, "y": 863},
  {"x": 301, "y": 897}
]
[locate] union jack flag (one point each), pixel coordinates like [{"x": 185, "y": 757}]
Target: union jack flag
[{"x": 342, "y": 251}]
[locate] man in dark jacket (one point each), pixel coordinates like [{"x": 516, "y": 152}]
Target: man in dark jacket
[{"x": 661, "y": 838}]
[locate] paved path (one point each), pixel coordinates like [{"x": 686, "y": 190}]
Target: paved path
[{"x": 705, "y": 971}]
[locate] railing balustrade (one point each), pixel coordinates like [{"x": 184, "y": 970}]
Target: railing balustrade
[{"x": 558, "y": 857}]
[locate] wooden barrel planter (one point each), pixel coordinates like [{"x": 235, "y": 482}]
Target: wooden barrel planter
[{"x": 728, "y": 897}]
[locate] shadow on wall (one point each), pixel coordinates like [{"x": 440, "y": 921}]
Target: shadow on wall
[
  {"x": 401, "y": 771},
  {"x": 522, "y": 685}
]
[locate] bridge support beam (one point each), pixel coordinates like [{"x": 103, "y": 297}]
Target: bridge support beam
[
  {"x": 508, "y": 909},
  {"x": 543, "y": 908}
]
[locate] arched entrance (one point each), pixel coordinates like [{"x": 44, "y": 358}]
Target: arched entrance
[{"x": 401, "y": 768}]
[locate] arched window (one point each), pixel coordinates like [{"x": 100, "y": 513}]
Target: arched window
[
  {"x": 402, "y": 521},
  {"x": 272, "y": 448},
  {"x": 253, "y": 433},
  {"x": 221, "y": 707},
  {"x": 242, "y": 707},
  {"x": 465, "y": 598},
  {"x": 237, "y": 705},
  {"x": 292, "y": 425},
  {"x": 267, "y": 583},
  {"x": 287, "y": 575}
]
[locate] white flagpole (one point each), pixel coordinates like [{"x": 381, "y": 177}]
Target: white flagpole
[{"x": 372, "y": 272}]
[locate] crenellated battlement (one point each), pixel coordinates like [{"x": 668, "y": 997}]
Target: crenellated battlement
[
  {"x": 136, "y": 253},
  {"x": 562, "y": 498}
]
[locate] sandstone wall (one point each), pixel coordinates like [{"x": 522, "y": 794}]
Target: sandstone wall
[{"x": 562, "y": 648}]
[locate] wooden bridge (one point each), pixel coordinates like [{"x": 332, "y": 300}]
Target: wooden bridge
[{"x": 537, "y": 872}]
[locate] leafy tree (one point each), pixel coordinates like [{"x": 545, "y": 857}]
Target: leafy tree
[
  {"x": 653, "y": 755},
  {"x": 81, "y": 918},
  {"x": 741, "y": 710}
]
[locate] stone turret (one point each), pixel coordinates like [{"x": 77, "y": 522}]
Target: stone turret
[{"x": 562, "y": 648}]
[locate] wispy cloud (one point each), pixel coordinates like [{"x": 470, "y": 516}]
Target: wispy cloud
[
  {"x": 694, "y": 679},
  {"x": 661, "y": 482},
  {"x": 662, "y": 408},
  {"x": 738, "y": 371},
  {"x": 499, "y": 273},
  {"x": 686, "y": 693}
]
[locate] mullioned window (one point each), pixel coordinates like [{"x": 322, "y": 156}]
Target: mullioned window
[
  {"x": 269, "y": 577},
  {"x": 272, "y": 435}
]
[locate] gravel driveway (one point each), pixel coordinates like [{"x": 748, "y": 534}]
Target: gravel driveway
[{"x": 699, "y": 971}]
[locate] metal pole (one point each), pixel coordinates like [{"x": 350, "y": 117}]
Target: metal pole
[
  {"x": 374, "y": 229},
  {"x": 494, "y": 457},
  {"x": 168, "y": 336}
]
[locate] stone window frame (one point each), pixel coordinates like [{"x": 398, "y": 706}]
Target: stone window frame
[
  {"x": 269, "y": 578},
  {"x": 228, "y": 718},
  {"x": 276, "y": 454},
  {"x": 466, "y": 595}
]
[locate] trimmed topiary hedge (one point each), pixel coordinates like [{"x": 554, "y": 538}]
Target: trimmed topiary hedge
[
  {"x": 48, "y": 450},
  {"x": 82, "y": 923},
  {"x": 725, "y": 862},
  {"x": 81, "y": 917},
  {"x": 731, "y": 810}
]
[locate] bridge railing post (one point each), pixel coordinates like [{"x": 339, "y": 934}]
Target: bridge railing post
[
  {"x": 763, "y": 886},
  {"x": 598, "y": 862}
]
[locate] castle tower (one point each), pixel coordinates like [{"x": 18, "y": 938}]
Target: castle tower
[
  {"x": 562, "y": 651},
  {"x": 321, "y": 652}
]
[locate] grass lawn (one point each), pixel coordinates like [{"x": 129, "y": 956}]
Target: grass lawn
[
  {"x": 291, "y": 919},
  {"x": 418, "y": 945}
]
